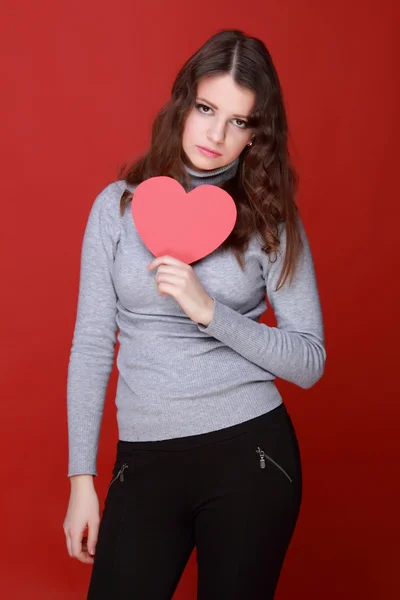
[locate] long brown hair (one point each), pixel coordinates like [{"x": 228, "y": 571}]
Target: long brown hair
[{"x": 266, "y": 182}]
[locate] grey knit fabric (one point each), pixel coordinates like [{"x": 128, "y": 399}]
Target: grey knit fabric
[{"x": 177, "y": 377}]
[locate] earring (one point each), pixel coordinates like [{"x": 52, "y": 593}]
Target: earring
[{"x": 250, "y": 143}]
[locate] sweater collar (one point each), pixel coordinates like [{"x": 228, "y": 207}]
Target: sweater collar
[{"x": 212, "y": 176}]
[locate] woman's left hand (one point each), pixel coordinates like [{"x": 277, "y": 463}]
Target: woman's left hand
[{"x": 179, "y": 280}]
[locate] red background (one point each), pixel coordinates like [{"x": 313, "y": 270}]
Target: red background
[{"x": 81, "y": 84}]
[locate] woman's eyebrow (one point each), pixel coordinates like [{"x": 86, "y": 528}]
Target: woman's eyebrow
[{"x": 216, "y": 108}]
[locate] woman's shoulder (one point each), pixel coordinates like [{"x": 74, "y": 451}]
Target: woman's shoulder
[
  {"x": 108, "y": 198},
  {"x": 113, "y": 191}
]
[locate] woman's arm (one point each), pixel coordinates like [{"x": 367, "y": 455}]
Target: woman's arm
[
  {"x": 93, "y": 345},
  {"x": 294, "y": 350}
]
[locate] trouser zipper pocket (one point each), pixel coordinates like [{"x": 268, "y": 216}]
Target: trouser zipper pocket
[
  {"x": 120, "y": 474},
  {"x": 264, "y": 456}
]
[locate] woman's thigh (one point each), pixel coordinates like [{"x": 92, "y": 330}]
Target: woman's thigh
[
  {"x": 245, "y": 522},
  {"x": 145, "y": 538}
]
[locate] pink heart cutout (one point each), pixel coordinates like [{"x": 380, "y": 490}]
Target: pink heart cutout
[{"x": 187, "y": 226}]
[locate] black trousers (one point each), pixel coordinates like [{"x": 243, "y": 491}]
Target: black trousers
[{"x": 234, "y": 494}]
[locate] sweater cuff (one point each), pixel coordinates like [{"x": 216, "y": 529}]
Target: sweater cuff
[{"x": 222, "y": 326}]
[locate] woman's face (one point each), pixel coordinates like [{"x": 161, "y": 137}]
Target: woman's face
[{"x": 218, "y": 122}]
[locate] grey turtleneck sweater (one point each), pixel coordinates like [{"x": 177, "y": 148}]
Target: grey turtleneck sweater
[{"x": 177, "y": 377}]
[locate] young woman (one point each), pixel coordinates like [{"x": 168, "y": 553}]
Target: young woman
[{"x": 207, "y": 455}]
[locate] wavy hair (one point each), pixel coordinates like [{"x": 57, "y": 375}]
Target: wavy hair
[{"x": 266, "y": 182}]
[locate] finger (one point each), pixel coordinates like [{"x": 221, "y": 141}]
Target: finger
[
  {"x": 69, "y": 543},
  {"x": 85, "y": 556},
  {"x": 166, "y": 260},
  {"x": 77, "y": 542},
  {"x": 79, "y": 549},
  {"x": 92, "y": 539},
  {"x": 174, "y": 278},
  {"x": 168, "y": 289},
  {"x": 170, "y": 269},
  {"x": 176, "y": 285}
]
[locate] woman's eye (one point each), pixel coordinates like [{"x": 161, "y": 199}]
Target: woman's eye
[
  {"x": 244, "y": 123},
  {"x": 201, "y": 107},
  {"x": 198, "y": 106}
]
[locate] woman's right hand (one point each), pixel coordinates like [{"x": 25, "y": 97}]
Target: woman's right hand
[{"x": 83, "y": 513}]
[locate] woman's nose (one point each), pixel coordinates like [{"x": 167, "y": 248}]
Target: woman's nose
[{"x": 216, "y": 134}]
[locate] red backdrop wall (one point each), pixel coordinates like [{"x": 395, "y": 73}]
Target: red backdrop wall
[{"x": 81, "y": 84}]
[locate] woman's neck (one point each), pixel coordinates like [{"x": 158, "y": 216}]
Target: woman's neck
[{"x": 212, "y": 176}]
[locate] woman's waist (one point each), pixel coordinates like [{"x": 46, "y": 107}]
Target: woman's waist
[{"x": 158, "y": 415}]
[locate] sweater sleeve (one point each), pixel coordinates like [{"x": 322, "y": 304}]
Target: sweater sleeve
[
  {"x": 92, "y": 352},
  {"x": 294, "y": 350}
]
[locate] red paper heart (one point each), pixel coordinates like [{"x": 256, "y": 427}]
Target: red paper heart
[{"x": 187, "y": 226}]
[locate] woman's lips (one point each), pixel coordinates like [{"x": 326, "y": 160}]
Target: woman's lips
[{"x": 208, "y": 152}]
